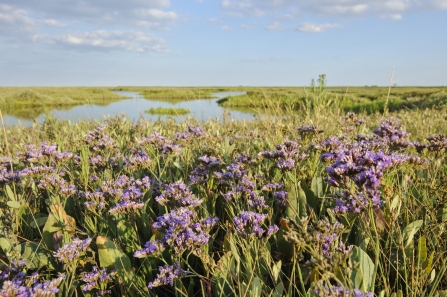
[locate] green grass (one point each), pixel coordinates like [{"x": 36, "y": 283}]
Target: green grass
[{"x": 168, "y": 111}]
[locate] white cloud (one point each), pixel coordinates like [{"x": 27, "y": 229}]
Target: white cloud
[
  {"x": 215, "y": 20},
  {"x": 227, "y": 28},
  {"x": 15, "y": 23},
  {"x": 339, "y": 8},
  {"x": 276, "y": 26},
  {"x": 242, "y": 8},
  {"x": 103, "y": 40},
  {"x": 54, "y": 23},
  {"x": 156, "y": 14},
  {"x": 316, "y": 28}
]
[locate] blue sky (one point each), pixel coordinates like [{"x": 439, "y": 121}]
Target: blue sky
[{"x": 222, "y": 42}]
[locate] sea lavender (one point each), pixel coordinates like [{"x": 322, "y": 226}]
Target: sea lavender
[
  {"x": 178, "y": 195},
  {"x": 71, "y": 251},
  {"x": 249, "y": 224},
  {"x": 97, "y": 278},
  {"x": 391, "y": 131},
  {"x": 97, "y": 140},
  {"x": 161, "y": 144},
  {"x": 182, "y": 231},
  {"x": 286, "y": 155},
  {"x": 340, "y": 291},
  {"x": 167, "y": 275},
  {"x": 203, "y": 171}
]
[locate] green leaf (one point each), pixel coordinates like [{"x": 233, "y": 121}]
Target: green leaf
[
  {"x": 10, "y": 193},
  {"x": 318, "y": 186},
  {"x": 279, "y": 290},
  {"x": 292, "y": 209},
  {"x": 362, "y": 275},
  {"x": 13, "y": 204},
  {"x": 51, "y": 226},
  {"x": 276, "y": 270},
  {"x": 302, "y": 201},
  {"x": 35, "y": 255},
  {"x": 441, "y": 215},
  {"x": 38, "y": 220},
  {"x": 112, "y": 257},
  {"x": 311, "y": 199},
  {"x": 422, "y": 249},
  {"x": 409, "y": 231},
  {"x": 256, "y": 287},
  {"x": 5, "y": 245}
]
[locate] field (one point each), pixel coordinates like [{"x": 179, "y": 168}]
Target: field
[
  {"x": 30, "y": 102},
  {"x": 316, "y": 203},
  {"x": 168, "y": 111}
]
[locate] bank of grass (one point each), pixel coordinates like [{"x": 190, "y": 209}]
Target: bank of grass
[
  {"x": 397, "y": 250},
  {"x": 168, "y": 111},
  {"x": 172, "y": 94}
]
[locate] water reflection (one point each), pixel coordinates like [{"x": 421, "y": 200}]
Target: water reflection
[{"x": 133, "y": 107}]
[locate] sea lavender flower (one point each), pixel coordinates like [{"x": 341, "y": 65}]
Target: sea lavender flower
[
  {"x": 233, "y": 173},
  {"x": 97, "y": 278},
  {"x": 391, "y": 131},
  {"x": 167, "y": 275},
  {"x": 196, "y": 131},
  {"x": 437, "y": 142},
  {"x": 161, "y": 144},
  {"x": 249, "y": 224},
  {"x": 138, "y": 159},
  {"x": 203, "y": 171},
  {"x": 286, "y": 155},
  {"x": 71, "y": 251},
  {"x": 340, "y": 291},
  {"x": 97, "y": 140},
  {"x": 182, "y": 231},
  {"x": 19, "y": 287},
  {"x": 307, "y": 130},
  {"x": 273, "y": 187},
  {"x": 178, "y": 194},
  {"x": 126, "y": 206},
  {"x": 280, "y": 198},
  {"x": 151, "y": 248}
]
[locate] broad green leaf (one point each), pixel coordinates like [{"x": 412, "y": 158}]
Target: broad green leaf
[
  {"x": 51, "y": 227},
  {"x": 292, "y": 209},
  {"x": 409, "y": 231},
  {"x": 10, "y": 193},
  {"x": 276, "y": 270},
  {"x": 35, "y": 256},
  {"x": 310, "y": 197},
  {"x": 422, "y": 249},
  {"x": 38, "y": 220},
  {"x": 279, "y": 290},
  {"x": 394, "y": 203},
  {"x": 256, "y": 287},
  {"x": 362, "y": 275},
  {"x": 428, "y": 264},
  {"x": 302, "y": 201},
  {"x": 318, "y": 186},
  {"x": 5, "y": 245},
  {"x": 13, "y": 204}
]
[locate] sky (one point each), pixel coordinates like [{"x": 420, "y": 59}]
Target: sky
[{"x": 222, "y": 42}]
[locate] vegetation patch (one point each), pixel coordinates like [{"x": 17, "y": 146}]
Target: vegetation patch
[{"x": 168, "y": 111}]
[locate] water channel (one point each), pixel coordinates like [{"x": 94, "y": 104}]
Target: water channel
[{"x": 134, "y": 107}]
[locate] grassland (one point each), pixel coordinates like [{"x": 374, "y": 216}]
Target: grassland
[
  {"x": 172, "y": 94},
  {"x": 319, "y": 203},
  {"x": 30, "y": 102},
  {"x": 168, "y": 111}
]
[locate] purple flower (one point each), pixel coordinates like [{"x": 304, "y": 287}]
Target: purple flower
[
  {"x": 167, "y": 275},
  {"x": 178, "y": 194},
  {"x": 71, "y": 251},
  {"x": 249, "y": 224}
]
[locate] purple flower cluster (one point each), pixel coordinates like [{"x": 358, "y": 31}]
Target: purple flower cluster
[
  {"x": 178, "y": 195},
  {"x": 56, "y": 183},
  {"x": 20, "y": 286},
  {"x": 167, "y": 275},
  {"x": 365, "y": 169},
  {"x": 97, "y": 140},
  {"x": 130, "y": 192},
  {"x": 161, "y": 144},
  {"x": 391, "y": 131},
  {"x": 249, "y": 224},
  {"x": 138, "y": 159},
  {"x": 43, "y": 153},
  {"x": 71, "y": 251},
  {"x": 97, "y": 278},
  {"x": 305, "y": 130},
  {"x": 285, "y": 155},
  {"x": 182, "y": 231},
  {"x": 203, "y": 171},
  {"x": 350, "y": 121},
  {"x": 278, "y": 193},
  {"x": 436, "y": 143},
  {"x": 340, "y": 291}
]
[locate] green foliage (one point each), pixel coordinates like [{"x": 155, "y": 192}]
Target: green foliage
[{"x": 167, "y": 111}]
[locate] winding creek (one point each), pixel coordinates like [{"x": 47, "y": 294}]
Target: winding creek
[{"x": 134, "y": 107}]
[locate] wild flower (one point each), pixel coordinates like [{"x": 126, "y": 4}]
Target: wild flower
[
  {"x": 286, "y": 155},
  {"x": 161, "y": 144},
  {"x": 167, "y": 274},
  {"x": 437, "y": 142},
  {"x": 182, "y": 231},
  {"x": 249, "y": 224},
  {"x": 178, "y": 195},
  {"x": 350, "y": 121},
  {"x": 97, "y": 278},
  {"x": 71, "y": 251},
  {"x": 97, "y": 140},
  {"x": 339, "y": 291},
  {"x": 391, "y": 131},
  {"x": 308, "y": 130},
  {"x": 138, "y": 159},
  {"x": 203, "y": 171},
  {"x": 18, "y": 286}
]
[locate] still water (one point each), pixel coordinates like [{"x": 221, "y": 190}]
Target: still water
[{"x": 135, "y": 106}]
